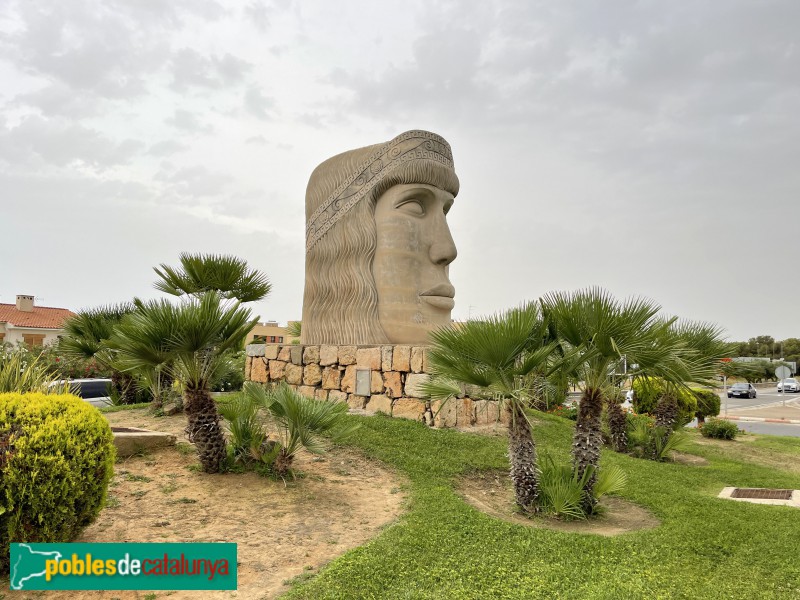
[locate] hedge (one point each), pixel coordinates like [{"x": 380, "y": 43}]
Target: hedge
[
  {"x": 56, "y": 459},
  {"x": 649, "y": 390}
]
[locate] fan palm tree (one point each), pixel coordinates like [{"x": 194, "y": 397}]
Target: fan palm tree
[
  {"x": 200, "y": 273},
  {"x": 86, "y": 335},
  {"x": 605, "y": 331},
  {"x": 507, "y": 358},
  {"x": 194, "y": 339}
]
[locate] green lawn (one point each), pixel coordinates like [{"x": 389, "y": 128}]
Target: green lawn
[{"x": 443, "y": 548}]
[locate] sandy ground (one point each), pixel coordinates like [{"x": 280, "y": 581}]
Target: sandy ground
[
  {"x": 492, "y": 493},
  {"x": 283, "y": 530}
]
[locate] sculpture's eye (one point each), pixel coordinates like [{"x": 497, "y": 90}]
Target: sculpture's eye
[{"x": 413, "y": 207}]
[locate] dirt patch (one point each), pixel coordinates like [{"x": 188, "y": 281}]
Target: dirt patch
[
  {"x": 689, "y": 459},
  {"x": 283, "y": 530},
  {"x": 491, "y": 492}
]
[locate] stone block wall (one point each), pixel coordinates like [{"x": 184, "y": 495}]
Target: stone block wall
[{"x": 370, "y": 378}]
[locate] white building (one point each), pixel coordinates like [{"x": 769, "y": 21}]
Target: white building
[{"x": 24, "y": 322}]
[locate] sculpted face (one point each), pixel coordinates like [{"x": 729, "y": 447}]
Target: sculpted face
[{"x": 410, "y": 268}]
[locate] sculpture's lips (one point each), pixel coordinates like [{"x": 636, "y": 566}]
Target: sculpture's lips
[{"x": 440, "y": 296}]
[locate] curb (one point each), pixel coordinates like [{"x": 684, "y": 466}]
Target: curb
[{"x": 761, "y": 420}]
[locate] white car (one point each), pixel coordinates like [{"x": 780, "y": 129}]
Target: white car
[{"x": 789, "y": 385}]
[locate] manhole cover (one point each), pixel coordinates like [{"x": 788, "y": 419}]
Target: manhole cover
[{"x": 762, "y": 494}]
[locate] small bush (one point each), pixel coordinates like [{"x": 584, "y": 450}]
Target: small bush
[
  {"x": 720, "y": 429},
  {"x": 567, "y": 412},
  {"x": 649, "y": 390},
  {"x": 561, "y": 491},
  {"x": 56, "y": 459},
  {"x": 708, "y": 403}
]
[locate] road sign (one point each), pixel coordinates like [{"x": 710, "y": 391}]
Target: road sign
[{"x": 782, "y": 372}]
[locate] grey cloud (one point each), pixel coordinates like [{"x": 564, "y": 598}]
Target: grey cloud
[
  {"x": 166, "y": 148},
  {"x": 61, "y": 143},
  {"x": 187, "y": 121},
  {"x": 257, "y": 104},
  {"x": 198, "y": 181},
  {"x": 192, "y": 69},
  {"x": 259, "y": 140}
]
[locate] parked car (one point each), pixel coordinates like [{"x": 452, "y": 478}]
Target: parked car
[
  {"x": 790, "y": 384},
  {"x": 95, "y": 391},
  {"x": 743, "y": 390}
]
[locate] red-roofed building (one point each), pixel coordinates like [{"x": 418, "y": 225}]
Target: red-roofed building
[{"x": 33, "y": 325}]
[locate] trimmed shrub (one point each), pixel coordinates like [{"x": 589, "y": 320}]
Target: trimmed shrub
[
  {"x": 56, "y": 459},
  {"x": 708, "y": 404},
  {"x": 649, "y": 390},
  {"x": 720, "y": 429}
]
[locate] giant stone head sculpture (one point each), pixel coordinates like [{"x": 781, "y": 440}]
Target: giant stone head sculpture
[{"x": 378, "y": 246}]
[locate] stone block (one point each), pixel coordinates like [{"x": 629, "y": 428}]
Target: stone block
[
  {"x": 349, "y": 379},
  {"x": 465, "y": 411},
  {"x": 337, "y": 396},
  {"x": 310, "y": 355},
  {"x": 248, "y": 365},
  {"x": 137, "y": 440},
  {"x": 369, "y": 358},
  {"x": 425, "y": 352},
  {"x": 486, "y": 412},
  {"x": 408, "y": 408},
  {"x": 271, "y": 351},
  {"x": 347, "y": 355},
  {"x": 358, "y": 402},
  {"x": 312, "y": 374},
  {"x": 331, "y": 378},
  {"x": 277, "y": 370},
  {"x": 296, "y": 354},
  {"x": 413, "y": 381},
  {"x": 393, "y": 383},
  {"x": 386, "y": 358},
  {"x": 401, "y": 359},
  {"x": 285, "y": 353},
  {"x": 376, "y": 382},
  {"x": 293, "y": 374},
  {"x": 379, "y": 403},
  {"x": 328, "y": 355},
  {"x": 258, "y": 370},
  {"x": 307, "y": 390},
  {"x": 444, "y": 413},
  {"x": 255, "y": 350},
  {"x": 416, "y": 359},
  {"x": 321, "y": 394}
]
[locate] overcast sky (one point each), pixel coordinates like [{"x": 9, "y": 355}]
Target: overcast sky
[{"x": 648, "y": 147}]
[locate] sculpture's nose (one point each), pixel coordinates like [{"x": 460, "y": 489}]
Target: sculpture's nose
[{"x": 443, "y": 250}]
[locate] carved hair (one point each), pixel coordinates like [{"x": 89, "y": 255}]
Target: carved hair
[{"x": 340, "y": 304}]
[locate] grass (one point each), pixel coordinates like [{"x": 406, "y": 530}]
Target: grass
[{"x": 443, "y": 548}]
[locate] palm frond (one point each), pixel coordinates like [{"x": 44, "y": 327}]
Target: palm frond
[{"x": 200, "y": 273}]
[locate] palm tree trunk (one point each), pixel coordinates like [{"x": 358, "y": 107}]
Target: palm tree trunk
[
  {"x": 587, "y": 441},
  {"x": 618, "y": 424},
  {"x": 204, "y": 430},
  {"x": 522, "y": 453}
]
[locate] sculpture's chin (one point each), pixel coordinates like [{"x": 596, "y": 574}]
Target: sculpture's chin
[{"x": 442, "y": 302}]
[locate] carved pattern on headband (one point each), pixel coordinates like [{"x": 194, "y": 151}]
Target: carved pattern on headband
[{"x": 406, "y": 147}]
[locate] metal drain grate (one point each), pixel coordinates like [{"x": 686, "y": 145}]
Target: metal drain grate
[{"x": 762, "y": 494}]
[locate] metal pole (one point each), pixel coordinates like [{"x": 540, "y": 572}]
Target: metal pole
[{"x": 725, "y": 391}]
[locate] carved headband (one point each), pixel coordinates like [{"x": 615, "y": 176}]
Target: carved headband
[{"x": 402, "y": 150}]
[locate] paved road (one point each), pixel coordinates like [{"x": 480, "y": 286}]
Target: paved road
[
  {"x": 769, "y": 404},
  {"x": 767, "y": 398}
]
